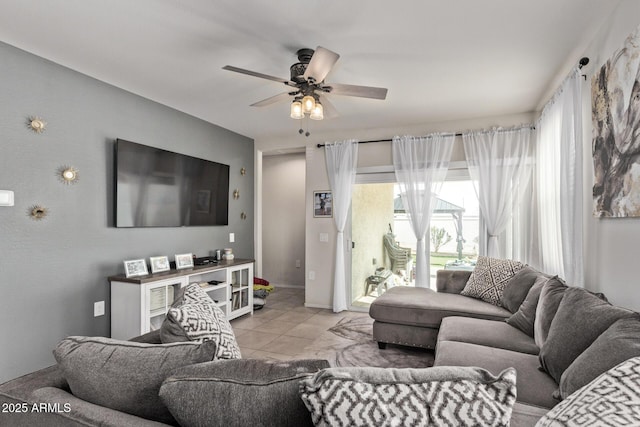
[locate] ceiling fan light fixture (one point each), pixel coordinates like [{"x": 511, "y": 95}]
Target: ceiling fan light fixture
[
  {"x": 296, "y": 110},
  {"x": 308, "y": 104},
  {"x": 317, "y": 113}
]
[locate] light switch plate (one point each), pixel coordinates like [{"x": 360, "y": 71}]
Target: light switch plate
[
  {"x": 324, "y": 237},
  {"x": 232, "y": 237},
  {"x": 6, "y": 198}
]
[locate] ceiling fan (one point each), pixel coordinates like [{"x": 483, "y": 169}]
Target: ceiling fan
[{"x": 308, "y": 87}]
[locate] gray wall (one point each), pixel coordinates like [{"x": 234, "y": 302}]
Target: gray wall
[{"x": 53, "y": 270}]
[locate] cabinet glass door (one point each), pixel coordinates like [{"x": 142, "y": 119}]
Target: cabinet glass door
[{"x": 160, "y": 300}]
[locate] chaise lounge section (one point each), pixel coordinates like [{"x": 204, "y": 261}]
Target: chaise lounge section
[{"x": 412, "y": 316}]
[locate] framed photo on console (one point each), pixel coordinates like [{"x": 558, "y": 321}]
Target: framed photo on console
[
  {"x": 184, "y": 261},
  {"x": 135, "y": 267},
  {"x": 159, "y": 264}
]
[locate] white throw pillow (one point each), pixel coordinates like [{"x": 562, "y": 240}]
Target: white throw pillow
[
  {"x": 439, "y": 396},
  {"x": 612, "y": 399}
]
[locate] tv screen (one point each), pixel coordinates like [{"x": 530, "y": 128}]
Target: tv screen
[{"x": 159, "y": 188}]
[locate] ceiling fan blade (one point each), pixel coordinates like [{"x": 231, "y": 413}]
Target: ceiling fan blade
[
  {"x": 255, "y": 74},
  {"x": 330, "y": 112},
  {"x": 321, "y": 63},
  {"x": 272, "y": 100},
  {"x": 361, "y": 91}
]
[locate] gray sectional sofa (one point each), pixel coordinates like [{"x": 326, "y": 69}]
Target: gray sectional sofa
[{"x": 548, "y": 357}]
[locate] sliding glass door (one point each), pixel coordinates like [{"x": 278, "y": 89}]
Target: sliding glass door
[{"x": 383, "y": 244}]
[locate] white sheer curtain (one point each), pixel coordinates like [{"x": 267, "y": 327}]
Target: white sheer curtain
[
  {"x": 341, "y": 159},
  {"x": 500, "y": 166},
  {"x": 421, "y": 165},
  {"x": 559, "y": 182}
]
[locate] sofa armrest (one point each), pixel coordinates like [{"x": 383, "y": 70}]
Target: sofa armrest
[
  {"x": 452, "y": 281},
  {"x": 69, "y": 410}
]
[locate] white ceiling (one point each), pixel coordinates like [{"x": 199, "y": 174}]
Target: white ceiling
[{"x": 440, "y": 60}]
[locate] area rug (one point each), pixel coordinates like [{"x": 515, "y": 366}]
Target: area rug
[{"x": 350, "y": 343}]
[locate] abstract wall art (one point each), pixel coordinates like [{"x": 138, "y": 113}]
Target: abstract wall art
[{"x": 615, "y": 90}]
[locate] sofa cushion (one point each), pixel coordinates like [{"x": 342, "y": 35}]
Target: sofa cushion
[
  {"x": 580, "y": 319},
  {"x": 489, "y": 278},
  {"x": 534, "y": 386},
  {"x": 240, "y": 393},
  {"x": 377, "y": 396},
  {"x": 524, "y": 318},
  {"x": 550, "y": 296},
  {"x": 408, "y": 305},
  {"x": 611, "y": 399},
  {"x": 124, "y": 375},
  {"x": 518, "y": 287},
  {"x": 492, "y": 333},
  {"x": 615, "y": 345},
  {"x": 200, "y": 322}
]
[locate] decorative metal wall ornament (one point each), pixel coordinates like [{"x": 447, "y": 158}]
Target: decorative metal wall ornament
[
  {"x": 243, "y": 171},
  {"x": 68, "y": 174},
  {"x": 37, "y": 212},
  {"x": 236, "y": 194},
  {"x": 36, "y": 124},
  {"x": 243, "y": 215}
]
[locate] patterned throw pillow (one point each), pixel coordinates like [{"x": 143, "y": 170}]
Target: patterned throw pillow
[
  {"x": 489, "y": 278},
  {"x": 389, "y": 397},
  {"x": 612, "y": 399},
  {"x": 193, "y": 293},
  {"x": 202, "y": 322}
]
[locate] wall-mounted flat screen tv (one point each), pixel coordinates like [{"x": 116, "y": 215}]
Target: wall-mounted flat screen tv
[{"x": 160, "y": 188}]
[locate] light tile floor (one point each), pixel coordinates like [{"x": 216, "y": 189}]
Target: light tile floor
[{"x": 283, "y": 327}]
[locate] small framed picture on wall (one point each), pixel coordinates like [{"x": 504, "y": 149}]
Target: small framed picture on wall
[
  {"x": 159, "y": 264},
  {"x": 184, "y": 261},
  {"x": 322, "y": 204},
  {"x": 135, "y": 267}
]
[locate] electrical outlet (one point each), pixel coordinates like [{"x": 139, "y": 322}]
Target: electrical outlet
[
  {"x": 298, "y": 263},
  {"x": 312, "y": 275},
  {"x": 98, "y": 308}
]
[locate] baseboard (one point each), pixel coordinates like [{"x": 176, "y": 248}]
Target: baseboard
[
  {"x": 282, "y": 285},
  {"x": 328, "y": 307}
]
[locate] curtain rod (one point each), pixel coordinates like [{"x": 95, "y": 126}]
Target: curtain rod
[{"x": 454, "y": 134}]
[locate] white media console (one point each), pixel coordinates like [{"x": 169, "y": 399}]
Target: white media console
[{"x": 139, "y": 304}]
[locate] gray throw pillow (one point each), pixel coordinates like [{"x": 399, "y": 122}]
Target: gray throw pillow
[
  {"x": 489, "y": 278},
  {"x": 240, "y": 393},
  {"x": 550, "y": 297},
  {"x": 617, "y": 344},
  {"x": 580, "y": 319},
  {"x": 612, "y": 399},
  {"x": 524, "y": 318},
  {"x": 123, "y": 375},
  {"x": 388, "y": 396},
  {"x": 518, "y": 287}
]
